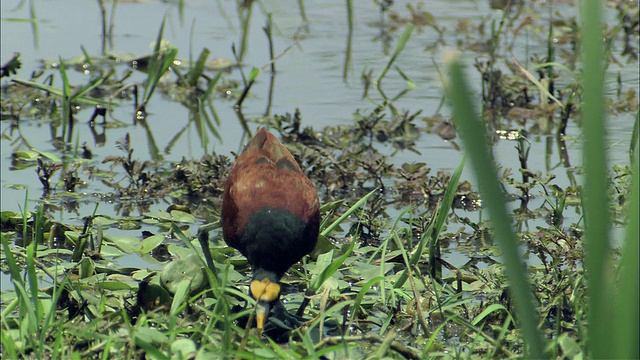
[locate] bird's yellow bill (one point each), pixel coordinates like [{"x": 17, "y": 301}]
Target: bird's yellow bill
[
  {"x": 262, "y": 311},
  {"x": 264, "y": 291}
]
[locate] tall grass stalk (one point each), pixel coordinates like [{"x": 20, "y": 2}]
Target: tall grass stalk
[
  {"x": 625, "y": 329},
  {"x": 159, "y": 63},
  {"x": 69, "y": 98},
  {"x": 471, "y": 132},
  {"x": 403, "y": 39},
  {"x": 440, "y": 218},
  {"x": 612, "y": 312},
  {"x": 633, "y": 146},
  {"x": 430, "y": 236},
  {"x": 595, "y": 199},
  {"x": 347, "y": 52},
  {"x": 67, "y": 120},
  {"x": 34, "y": 24},
  {"x": 37, "y": 310}
]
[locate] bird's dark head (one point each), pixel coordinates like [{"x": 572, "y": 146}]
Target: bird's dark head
[{"x": 265, "y": 289}]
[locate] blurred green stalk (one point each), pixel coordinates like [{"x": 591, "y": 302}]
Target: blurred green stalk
[{"x": 472, "y": 133}]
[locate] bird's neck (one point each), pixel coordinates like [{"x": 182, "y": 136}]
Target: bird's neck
[{"x": 260, "y": 274}]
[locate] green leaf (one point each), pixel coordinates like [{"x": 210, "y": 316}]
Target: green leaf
[
  {"x": 48, "y": 155},
  {"x": 151, "y": 336},
  {"x": 188, "y": 270},
  {"x": 143, "y": 339},
  {"x": 105, "y": 221},
  {"x": 626, "y": 320},
  {"x": 447, "y": 200},
  {"x": 160, "y": 215},
  {"x": 113, "y": 286},
  {"x": 365, "y": 288},
  {"x": 347, "y": 213},
  {"x": 160, "y": 62},
  {"x": 322, "y": 246},
  {"x": 153, "y": 296},
  {"x": 26, "y": 155},
  {"x": 488, "y": 311},
  {"x": 86, "y": 268},
  {"x": 328, "y": 271},
  {"x": 254, "y": 74},
  {"x": 127, "y": 244},
  {"x": 536, "y": 82},
  {"x": 196, "y": 72},
  {"x": 400, "y": 44},
  {"x": 150, "y": 243},
  {"x": 181, "y": 292},
  {"x": 183, "y": 348},
  {"x": 570, "y": 349},
  {"x": 80, "y": 92},
  {"x": 181, "y": 216},
  {"x": 110, "y": 251}
]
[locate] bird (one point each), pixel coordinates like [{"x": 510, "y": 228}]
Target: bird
[{"x": 271, "y": 214}]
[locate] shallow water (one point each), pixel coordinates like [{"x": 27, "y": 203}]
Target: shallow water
[{"x": 309, "y": 77}]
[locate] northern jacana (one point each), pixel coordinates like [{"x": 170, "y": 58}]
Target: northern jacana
[{"x": 271, "y": 214}]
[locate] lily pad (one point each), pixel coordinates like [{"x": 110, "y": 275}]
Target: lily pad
[{"x": 188, "y": 269}]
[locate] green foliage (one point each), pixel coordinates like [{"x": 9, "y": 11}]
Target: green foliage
[
  {"x": 489, "y": 185},
  {"x": 379, "y": 284},
  {"x": 160, "y": 61},
  {"x": 613, "y": 317}
]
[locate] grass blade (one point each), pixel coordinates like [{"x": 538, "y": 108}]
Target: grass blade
[
  {"x": 595, "y": 199},
  {"x": 471, "y": 130},
  {"x": 402, "y": 42},
  {"x": 441, "y": 217},
  {"x": 161, "y": 60},
  {"x": 625, "y": 328},
  {"x": 331, "y": 269},
  {"x": 80, "y": 99},
  {"x": 67, "y": 120},
  {"x": 348, "y": 213},
  {"x": 634, "y": 139},
  {"x": 433, "y": 231},
  {"x": 196, "y": 72},
  {"x": 11, "y": 261}
]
